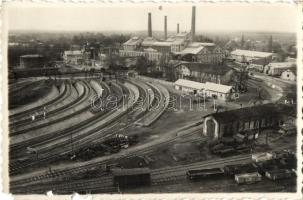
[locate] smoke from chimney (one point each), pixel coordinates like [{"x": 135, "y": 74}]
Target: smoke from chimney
[
  {"x": 149, "y": 25},
  {"x": 165, "y": 27},
  {"x": 193, "y": 23},
  {"x": 178, "y": 28}
]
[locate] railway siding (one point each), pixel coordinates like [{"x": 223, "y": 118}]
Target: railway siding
[
  {"x": 85, "y": 136},
  {"x": 158, "y": 109},
  {"x": 63, "y": 120},
  {"x": 38, "y": 104},
  {"x": 67, "y": 98}
]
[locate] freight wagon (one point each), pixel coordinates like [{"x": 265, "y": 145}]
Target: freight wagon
[
  {"x": 204, "y": 173},
  {"x": 248, "y": 178},
  {"x": 279, "y": 174},
  {"x": 131, "y": 177}
]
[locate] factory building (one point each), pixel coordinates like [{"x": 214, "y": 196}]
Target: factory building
[
  {"x": 32, "y": 61},
  {"x": 213, "y": 90},
  {"x": 256, "y": 59},
  {"x": 200, "y": 72},
  {"x": 73, "y": 57},
  {"x": 229, "y": 123},
  {"x": 189, "y": 87},
  {"x": 181, "y": 46}
]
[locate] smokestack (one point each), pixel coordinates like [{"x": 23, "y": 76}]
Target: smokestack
[
  {"x": 149, "y": 25},
  {"x": 193, "y": 23},
  {"x": 178, "y": 28},
  {"x": 165, "y": 27}
]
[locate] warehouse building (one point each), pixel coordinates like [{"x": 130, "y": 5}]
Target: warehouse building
[
  {"x": 218, "y": 91},
  {"x": 181, "y": 46},
  {"x": 213, "y": 90},
  {"x": 199, "y": 72},
  {"x": 190, "y": 87},
  {"x": 229, "y": 123},
  {"x": 73, "y": 57},
  {"x": 256, "y": 59}
]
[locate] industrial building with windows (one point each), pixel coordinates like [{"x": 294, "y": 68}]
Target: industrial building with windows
[
  {"x": 229, "y": 123},
  {"x": 208, "y": 89},
  {"x": 256, "y": 59},
  {"x": 181, "y": 46}
]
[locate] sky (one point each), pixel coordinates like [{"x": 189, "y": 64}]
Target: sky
[{"x": 126, "y": 17}]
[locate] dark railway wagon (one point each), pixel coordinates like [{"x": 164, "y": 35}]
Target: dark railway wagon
[
  {"x": 131, "y": 177},
  {"x": 279, "y": 174},
  {"x": 204, "y": 173}
]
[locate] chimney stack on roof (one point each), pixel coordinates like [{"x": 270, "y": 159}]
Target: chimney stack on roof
[
  {"x": 165, "y": 27},
  {"x": 149, "y": 25},
  {"x": 193, "y": 23},
  {"x": 178, "y": 28}
]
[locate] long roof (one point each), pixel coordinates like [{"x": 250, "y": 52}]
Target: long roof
[
  {"x": 217, "y": 87},
  {"x": 282, "y": 65},
  {"x": 249, "y": 53},
  {"x": 133, "y": 41},
  {"x": 254, "y": 112},
  {"x": 76, "y": 52},
  {"x": 32, "y": 56},
  {"x": 190, "y": 84},
  {"x": 191, "y": 50}
]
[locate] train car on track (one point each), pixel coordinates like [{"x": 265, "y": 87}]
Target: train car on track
[
  {"x": 279, "y": 174},
  {"x": 131, "y": 177},
  {"x": 204, "y": 173},
  {"x": 248, "y": 178}
]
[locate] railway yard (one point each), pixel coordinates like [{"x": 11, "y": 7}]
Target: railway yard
[{"x": 80, "y": 130}]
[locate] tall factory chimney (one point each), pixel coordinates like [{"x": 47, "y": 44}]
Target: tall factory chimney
[
  {"x": 165, "y": 27},
  {"x": 193, "y": 23},
  {"x": 178, "y": 28},
  {"x": 149, "y": 25}
]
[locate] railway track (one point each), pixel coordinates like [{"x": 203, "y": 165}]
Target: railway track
[
  {"x": 45, "y": 138},
  {"x": 20, "y": 143},
  {"x": 92, "y": 164},
  {"x": 159, "y": 107},
  {"x": 26, "y": 119},
  {"x": 70, "y": 98},
  {"x": 27, "y": 109},
  {"x": 47, "y": 124},
  {"x": 158, "y": 177},
  {"x": 82, "y": 138}
]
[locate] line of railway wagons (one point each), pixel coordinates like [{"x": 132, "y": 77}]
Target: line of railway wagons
[{"x": 274, "y": 167}]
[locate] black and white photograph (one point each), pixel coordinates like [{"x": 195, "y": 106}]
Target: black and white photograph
[{"x": 152, "y": 98}]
